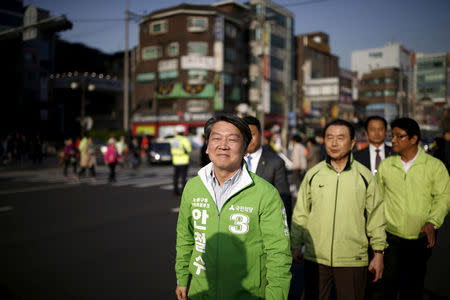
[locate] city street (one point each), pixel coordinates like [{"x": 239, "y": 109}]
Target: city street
[
  {"x": 64, "y": 239},
  {"x": 87, "y": 240}
]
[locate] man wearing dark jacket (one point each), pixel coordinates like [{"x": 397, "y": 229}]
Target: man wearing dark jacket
[
  {"x": 267, "y": 164},
  {"x": 377, "y": 150}
]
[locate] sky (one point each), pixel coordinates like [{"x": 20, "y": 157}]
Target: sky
[{"x": 419, "y": 25}]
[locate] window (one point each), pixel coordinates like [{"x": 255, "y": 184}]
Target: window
[
  {"x": 151, "y": 52},
  {"x": 197, "y": 76},
  {"x": 197, "y": 24},
  {"x": 143, "y": 29},
  {"x": 158, "y": 27},
  {"x": 230, "y": 30},
  {"x": 227, "y": 79},
  {"x": 277, "y": 41},
  {"x": 230, "y": 54},
  {"x": 378, "y": 93},
  {"x": 198, "y": 48},
  {"x": 376, "y": 54},
  {"x": 143, "y": 78},
  {"x": 389, "y": 93},
  {"x": 389, "y": 80},
  {"x": 255, "y": 34},
  {"x": 173, "y": 49},
  {"x": 276, "y": 62}
]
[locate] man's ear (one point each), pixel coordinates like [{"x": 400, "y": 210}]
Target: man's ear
[{"x": 415, "y": 139}]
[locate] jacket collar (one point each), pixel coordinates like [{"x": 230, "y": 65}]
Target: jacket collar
[
  {"x": 244, "y": 181},
  {"x": 348, "y": 165},
  {"x": 421, "y": 159}
]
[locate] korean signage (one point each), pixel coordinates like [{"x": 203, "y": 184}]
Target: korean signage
[
  {"x": 198, "y": 62},
  {"x": 167, "y": 65}
]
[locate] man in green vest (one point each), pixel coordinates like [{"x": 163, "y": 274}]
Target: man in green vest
[{"x": 180, "y": 148}]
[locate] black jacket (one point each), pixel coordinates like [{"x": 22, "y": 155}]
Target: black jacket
[{"x": 363, "y": 156}]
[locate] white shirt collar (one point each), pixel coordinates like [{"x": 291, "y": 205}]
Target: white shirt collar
[
  {"x": 373, "y": 155},
  {"x": 407, "y": 165},
  {"x": 255, "y": 159}
]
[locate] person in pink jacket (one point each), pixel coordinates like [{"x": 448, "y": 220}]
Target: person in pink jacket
[{"x": 111, "y": 159}]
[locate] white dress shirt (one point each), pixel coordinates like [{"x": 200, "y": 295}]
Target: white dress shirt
[
  {"x": 408, "y": 164},
  {"x": 373, "y": 155},
  {"x": 255, "y": 159}
]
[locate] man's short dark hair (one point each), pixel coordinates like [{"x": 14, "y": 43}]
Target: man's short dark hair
[
  {"x": 250, "y": 120},
  {"x": 376, "y": 118},
  {"x": 232, "y": 119},
  {"x": 297, "y": 138},
  {"x": 340, "y": 122},
  {"x": 409, "y": 125}
]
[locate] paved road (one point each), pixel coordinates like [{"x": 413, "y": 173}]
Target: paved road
[
  {"x": 64, "y": 239},
  {"x": 88, "y": 240}
]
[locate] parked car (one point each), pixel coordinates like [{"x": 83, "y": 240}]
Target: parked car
[{"x": 160, "y": 152}]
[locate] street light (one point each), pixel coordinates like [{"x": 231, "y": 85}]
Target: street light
[{"x": 84, "y": 84}]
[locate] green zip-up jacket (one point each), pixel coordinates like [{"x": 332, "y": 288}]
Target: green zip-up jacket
[
  {"x": 416, "y": 197},
  {"x": 241, "y": 253},
  {"x": 336, "y": 215}
]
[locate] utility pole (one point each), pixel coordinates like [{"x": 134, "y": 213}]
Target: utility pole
[
  {"x": 126, "y": 73},
  {"x": 260, "y": 105},
  {"x": 83, "y": 104}
]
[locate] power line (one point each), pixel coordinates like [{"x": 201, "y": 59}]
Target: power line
[{"x": 99, "y": 20}]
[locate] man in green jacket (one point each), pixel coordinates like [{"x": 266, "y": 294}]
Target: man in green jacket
[
  {"x": 416, "y": 191},
  {"x": 339, "y": 211},
  {"x": 232, "y": 233}
]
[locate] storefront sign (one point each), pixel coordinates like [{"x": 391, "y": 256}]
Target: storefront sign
[
  {"x": 167, "y": 65},
  {"x": 197, "y": 62}
]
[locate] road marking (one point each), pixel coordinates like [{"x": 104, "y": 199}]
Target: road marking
[
  {"x": 175, "y": 209},
  {"x": 154, "y": 183},
  {"x": 33, "y": 189},
  {"x": 5, "y": 208},
  {"x": 167, "y": 187}
]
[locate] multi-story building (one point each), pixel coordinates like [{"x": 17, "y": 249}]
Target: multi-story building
[
  {"x": 191, "y": 62},
  {"x": 29, "y": 48},
  {"x": 378, "y": 92},
  {"x": 319, "y": 82},
  {"x": 11, "y": 59},
  {"x": 347, "y": 90},
  {"x": 432, "y": 87},
  {"x": 271, "y": 70},
  {"x": 393, "y": 55},
  {"x": 431, "y": 77}
]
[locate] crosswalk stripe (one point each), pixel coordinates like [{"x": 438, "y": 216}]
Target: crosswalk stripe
[
  {"x": 153, "y": 176},
  {"x": 153, "y": 183}
]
